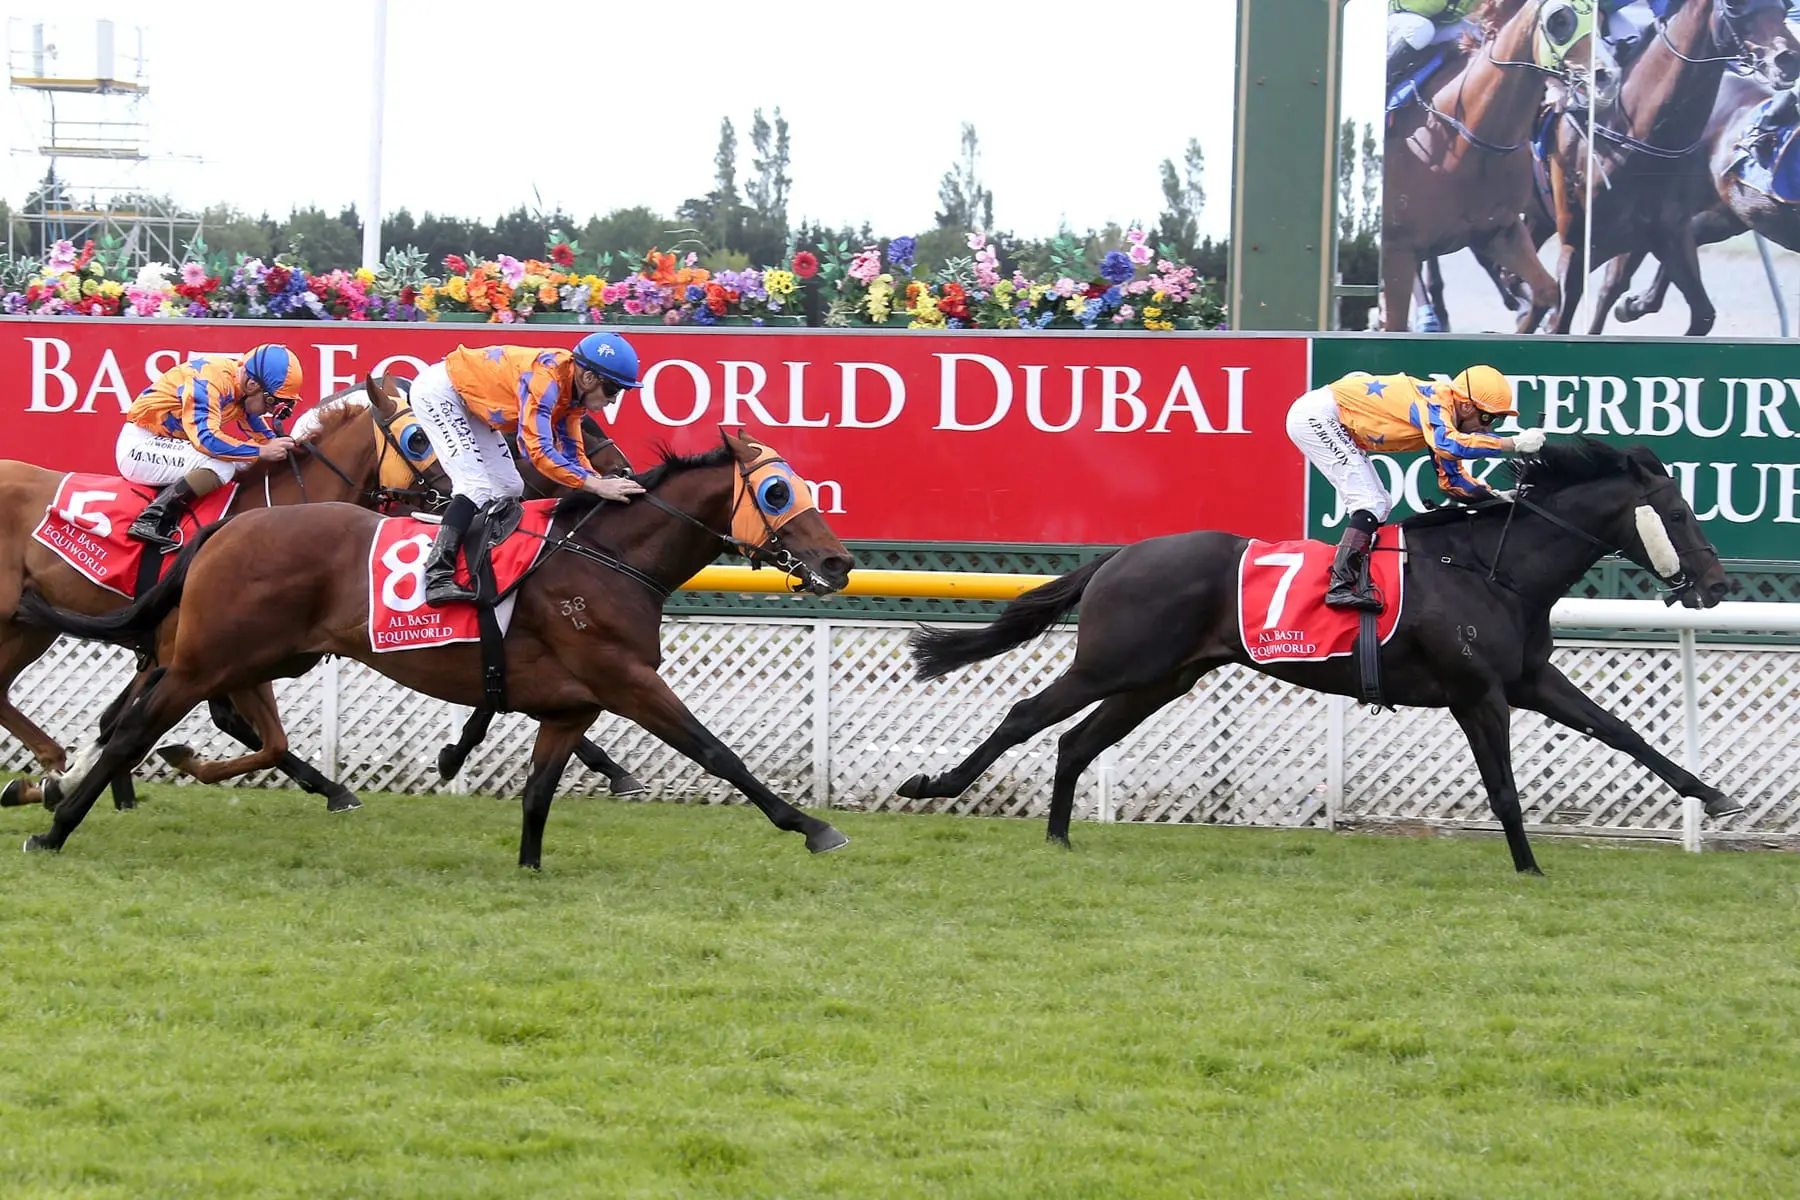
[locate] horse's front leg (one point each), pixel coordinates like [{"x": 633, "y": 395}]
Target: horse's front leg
[
  {"x": 1488, "y": 725},
  {"x": 1548, "y": 691},
  {"x": 258, "y": 706},
  {"x": 643, "y": 698}
]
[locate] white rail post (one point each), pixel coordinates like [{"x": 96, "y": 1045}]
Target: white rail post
[
  {"x": 1337, "y": 710},
  {"x": 371, "y": 242},
  {"x": 1690, "y": 708},
  {"x": 821, "y": 756},
  {"x": 328, "y": 718},
  {"x": 1107, "y": 775}
]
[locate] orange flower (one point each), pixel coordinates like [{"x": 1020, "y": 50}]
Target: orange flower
[{"x": 547, "y": 294}]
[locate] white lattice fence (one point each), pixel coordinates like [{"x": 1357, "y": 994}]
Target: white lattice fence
[{"x": 829, "y": 714}]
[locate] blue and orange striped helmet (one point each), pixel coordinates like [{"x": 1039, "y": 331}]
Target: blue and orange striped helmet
[{"x": 277, "y": 369}]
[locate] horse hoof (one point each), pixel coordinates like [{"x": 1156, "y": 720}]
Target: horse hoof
[
  {"x": 447, "y": 763},
  {"x": 39, "y": 842},
  {"x": 627, "y": 785},
  {"x": 342, "y": 800},
  {"x": 175, "y": 755},
  {"x": 826, "y": 840},
  {"x": 1721, "y": 806},
  {"x": 13, "y": 794},
  {"x": 915, "y": 788},
  {"x": 1060, "y": 840}
]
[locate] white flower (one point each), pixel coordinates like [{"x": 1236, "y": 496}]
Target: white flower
[{"x": 155, "y": 276}]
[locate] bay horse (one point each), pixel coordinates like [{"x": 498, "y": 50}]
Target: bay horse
[
  {"x": 1453, "y": 171},
  {"x": 1159, "y": 614},
  {"x": 1647, "y": 147},
  {"x": 360, "y": 444},
  {"x": 1724, "y": 203},
  {"x": 611, "y": 566}
]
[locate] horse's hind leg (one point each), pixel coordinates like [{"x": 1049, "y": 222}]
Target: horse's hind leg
[
  {"x": 1613, "y": 286},
  {"x": 1548, "y": 691},
  {"x": 153, "y": 713},
  {"x": 338, "y": 798},
  {"x": 20, "y": 646},
  {"x": 622, "y": 782},
  {"x": 258, "y": 705},
  {"x": 1488, "y": 725},
  {"x": 549, "y": 755},
  {"x": 1112, "y": 720},
  {"x": 1071, "y": 693}
]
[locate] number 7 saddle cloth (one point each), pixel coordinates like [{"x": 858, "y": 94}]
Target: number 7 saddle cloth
[{"x": 1281, "y": 598}]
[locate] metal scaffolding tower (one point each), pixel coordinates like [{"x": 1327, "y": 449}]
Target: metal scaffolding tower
[{"x": 91, "y": 137}]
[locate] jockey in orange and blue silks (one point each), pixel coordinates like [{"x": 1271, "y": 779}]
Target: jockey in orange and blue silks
[
  {"x": 469, "y": 401},
  {"x": 1337, "y": 427},
  {"x": 178, "y": 433}
]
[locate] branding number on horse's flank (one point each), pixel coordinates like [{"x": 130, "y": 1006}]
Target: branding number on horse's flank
[{"x": 572, "y": 609}]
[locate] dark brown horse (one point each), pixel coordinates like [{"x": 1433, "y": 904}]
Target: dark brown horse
[
  {"x": 1457, "y": 168},
  {"x": 619, "y": 562},
  {"x": 1645, "y": 151},
  {"x": 1159, "y": 614},
  {"x": 360, "y": 445},
  {"x": 1725, "y": 203}
]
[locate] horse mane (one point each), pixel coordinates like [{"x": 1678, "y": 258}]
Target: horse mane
[
  {"x": 335, "y": 409},
  {"x": 670, "y": 464},
  {"x": 1568, "y": 461}
]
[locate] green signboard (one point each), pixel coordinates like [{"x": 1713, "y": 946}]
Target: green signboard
[{"x": 1724, "y": 419}]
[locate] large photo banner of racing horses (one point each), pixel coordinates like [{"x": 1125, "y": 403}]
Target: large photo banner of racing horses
[{"x": 1591, "y": 166}]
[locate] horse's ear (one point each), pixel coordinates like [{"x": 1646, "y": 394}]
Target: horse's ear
[{"x": 383, "y": 402}]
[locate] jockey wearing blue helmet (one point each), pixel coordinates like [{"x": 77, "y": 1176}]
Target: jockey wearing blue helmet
[{"x": 611, "y": 357}]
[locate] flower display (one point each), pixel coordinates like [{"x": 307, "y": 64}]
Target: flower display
[{"x": 1131, "y": 286}]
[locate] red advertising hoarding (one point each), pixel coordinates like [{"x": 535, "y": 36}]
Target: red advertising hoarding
[{"x": 955, "y": 437}]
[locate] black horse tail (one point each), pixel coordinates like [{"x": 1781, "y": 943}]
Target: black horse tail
[
  {"x": 127, "y": 625},
  {"x": 940, "y": 651}
]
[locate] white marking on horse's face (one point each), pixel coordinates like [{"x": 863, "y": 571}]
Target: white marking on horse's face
[{"x": 1655, "y": 536}]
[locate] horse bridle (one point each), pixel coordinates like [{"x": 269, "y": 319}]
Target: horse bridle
[
  {"x": 1680, "y": 584},
  {"x": 781, "y": 558},
  {"x": 1564, "y": 75},
  {"x": 384, "y": 498}
]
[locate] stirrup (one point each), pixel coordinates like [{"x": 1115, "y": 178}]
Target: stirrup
[
  {"x": 445, "y": 590},
  {"x": 151, "y": 533}
]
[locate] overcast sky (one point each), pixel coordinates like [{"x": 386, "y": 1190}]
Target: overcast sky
[{"x": 600, "y": 105}]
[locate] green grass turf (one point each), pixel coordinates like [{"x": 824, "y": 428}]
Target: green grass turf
[{"x": 238, "y": 995}]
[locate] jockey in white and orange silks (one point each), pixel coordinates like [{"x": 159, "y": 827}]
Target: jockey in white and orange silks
[{"x": 1337, "y": 426}]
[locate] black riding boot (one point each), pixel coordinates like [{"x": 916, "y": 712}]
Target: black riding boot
[
  {"x": 440, "y": 566},
  {"x": 1783, "y": 112},
  {"x": 156, "y": 524},
  {"x": 1349, "y": 573}
]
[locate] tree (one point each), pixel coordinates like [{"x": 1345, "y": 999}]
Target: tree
[
  {"x": 624, "y": 232},
  {"x": 230, "y": 233},
  {"x": 1184, "y": 196},
  {"x": 966, "y": 204},
  {"x": 766, "y": 224},
  {"x": 321, "y": 241},
  {"x": 1359, "y": 219}
]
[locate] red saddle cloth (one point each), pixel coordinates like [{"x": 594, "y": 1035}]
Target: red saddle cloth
[
  {"x": 86, "y": 522},
  {"x": 399, "y": 618},
  {"x": 1281, "y": 599}
]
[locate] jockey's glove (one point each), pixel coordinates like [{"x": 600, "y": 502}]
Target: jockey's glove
[{"x": 1529, "y": 441}]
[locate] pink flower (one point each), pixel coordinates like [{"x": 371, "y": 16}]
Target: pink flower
[
  {"x": 511, "y": 270},
  {"x": 1126, "y": 312},
  {"x": 1020, "y": 282},
  {"x": 691, "y": 259},
  {"x": 193, "y": 274},
  {"x": 1065, "y": 287},
  {"x": 866, "y": 266},
  {"x": 62, "y": 257},
  {"x": 634, "y": 307},
  {"x": 1136, "y": 238},
  {"x": 977, "y": 240},
  {"x": 673, "y": 316},
  {"x": 506, "y": 316},
  {"x": 1140, "y": 253}
]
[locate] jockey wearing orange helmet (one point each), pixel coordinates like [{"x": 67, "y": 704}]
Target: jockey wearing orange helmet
[
  {"x": 175, "y": 434},
  {"x": 1338, "y": 425}
]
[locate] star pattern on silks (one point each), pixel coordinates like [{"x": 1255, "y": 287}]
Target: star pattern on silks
[
  {"x": 1375, "y": 387},
  {"x": 547, "y": 359},
  {"x": 1427, "y": 390},
  {"x": 495, "y": 417},
  {"x": 495, "y": 353},
  {"x": 1376, "y": 439}
]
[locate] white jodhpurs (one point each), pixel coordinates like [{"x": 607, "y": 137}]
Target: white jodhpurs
[
  {"x": 473, "y": 453},
  {"x": 143, "y": 457},
  {"x": 1313, "y": 425}
]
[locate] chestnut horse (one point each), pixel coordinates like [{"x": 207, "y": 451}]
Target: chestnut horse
[
  {"x": 1457, "y": 167},
  {"x": 611, "y": 565},
  {"x": 360, "y": 444}
]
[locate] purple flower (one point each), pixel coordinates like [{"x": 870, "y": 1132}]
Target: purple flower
[
  {"x": 703, "y": 315},
  {"x": 12, "y": 302},
  {"x": 1116, "y": 267},
  {"x": 695, "y": 293},
  {"x": 900, "y": 253},
  {"x": 1112, "y": 296}
]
